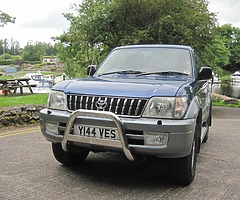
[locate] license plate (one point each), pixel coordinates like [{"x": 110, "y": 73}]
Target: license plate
[{"x": 96, "y": 132}]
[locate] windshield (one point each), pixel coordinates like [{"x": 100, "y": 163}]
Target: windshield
[{"x": 148, "y": 61}]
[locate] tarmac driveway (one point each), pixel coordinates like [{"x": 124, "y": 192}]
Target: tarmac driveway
[
  {"x": 29, "y": 171},
  {"x": 226, "y": 113}
]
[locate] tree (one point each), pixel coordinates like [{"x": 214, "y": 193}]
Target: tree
[
  {"x": 230, "y": 36},
  {"x": 235, "y": 50},
  {"x": 6, "y": 56},
  {"x": 5, "y": 18},
  {"x": 104, "y": 24},
  {"x": 1, "y": 47},
  {"x": 4, "y": 46},
  {"x": 51, "y": 50},
  {"x": 217, "y": 55},
  {"x": 14, "y": 47},
  {"x": 34, "y": 52}
]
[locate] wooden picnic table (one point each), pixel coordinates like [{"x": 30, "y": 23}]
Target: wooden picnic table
[{"x": 11, "y": 85}]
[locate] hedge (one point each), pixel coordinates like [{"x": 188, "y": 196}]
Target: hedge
[{"x": 6, "y": 62}]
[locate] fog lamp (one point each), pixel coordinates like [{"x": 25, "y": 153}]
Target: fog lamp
[
  {"x": 158, "y": 139},
  {"x": 52, "y": 127}
]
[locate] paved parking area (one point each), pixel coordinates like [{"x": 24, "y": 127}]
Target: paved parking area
[{"x": 29, "y": 171}]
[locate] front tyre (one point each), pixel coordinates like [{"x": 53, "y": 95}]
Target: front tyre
[
  {"x": 209, "y": 122},
  {"x": 182, "y": 170},
  {"x": 68, "y": 158}
]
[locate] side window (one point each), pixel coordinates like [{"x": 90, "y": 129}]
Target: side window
[{"x": 198, "y": 62}]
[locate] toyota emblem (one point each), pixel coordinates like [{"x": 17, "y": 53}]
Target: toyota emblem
[{"x": 101, "y": 104}]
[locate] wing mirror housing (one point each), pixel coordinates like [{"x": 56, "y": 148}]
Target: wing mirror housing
[
  {"x": 205, "y": 73},
  {"x": 91, "y": 69}
]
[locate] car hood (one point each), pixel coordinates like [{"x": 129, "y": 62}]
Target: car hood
[{"x": 124, "y": 88}]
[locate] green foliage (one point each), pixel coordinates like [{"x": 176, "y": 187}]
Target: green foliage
[
  {"x": 35, "y": 52},
  {"x": 229, "y": 37},
  {"x": 224, "y": 104},
  {"x": 18, "y": 57},
  {"x": 5, "y": 77},
  {"x": 217, "y": 55},
  {"x": 235, "y": 48},
  {"x": 53, "y": 69},
  {"x": 18, "y": 60},
  {"x": 38, "y": 64},
  {"x": 104, "y": 24},
  {"x": 12, "y": 47},
  {"x": 6, "y": 56},
  {"x": 6, "y": 62},
  {"x": 5, "y": 18},
  {"x": 219, "y": 101},
  {"x": 51, "y": 50}
]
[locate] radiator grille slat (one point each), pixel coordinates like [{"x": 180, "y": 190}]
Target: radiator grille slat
[{"x": 117, "y": 105}]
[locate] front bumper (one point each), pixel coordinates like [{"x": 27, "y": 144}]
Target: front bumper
[{"x": 131, "y": 132}]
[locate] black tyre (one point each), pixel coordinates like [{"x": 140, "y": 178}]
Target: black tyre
[
  {"x": 182, "y": 170},
  {"x": 68, "y": 158},
  {"x": 205, "y": 139},
  {"x": 209, "y": 123}
]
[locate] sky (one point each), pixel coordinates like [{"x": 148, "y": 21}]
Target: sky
[{"x": 38, "y": 21}]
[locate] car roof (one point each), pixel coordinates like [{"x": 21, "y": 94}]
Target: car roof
[{"x": 155, "y": 46}]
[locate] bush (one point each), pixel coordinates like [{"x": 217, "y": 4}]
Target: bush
[
  {"x": 39, "y": 65},
  {"x": 6, "y": 62},
  {"x": 53, "y": 69},
  {"x": 6, "y": 56},
  {"x": 33, "y": 62}
]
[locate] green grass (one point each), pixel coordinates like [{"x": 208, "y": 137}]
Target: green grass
[
  {"x": 37, "y": 99},
  {"x": 5, "y": 77},
  {"x": 41, "y": 99},
  {"x": 223, "y": 104}
]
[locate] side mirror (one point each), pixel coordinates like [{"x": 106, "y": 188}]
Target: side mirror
[
  {"x": 91, "y": 69},
  {"x": 205, "y": 73}
]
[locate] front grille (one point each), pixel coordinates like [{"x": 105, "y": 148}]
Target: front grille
[{"x": 117, "y": 105}]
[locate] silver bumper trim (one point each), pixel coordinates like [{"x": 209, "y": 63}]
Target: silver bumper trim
[{"x": 98, "y": 114}]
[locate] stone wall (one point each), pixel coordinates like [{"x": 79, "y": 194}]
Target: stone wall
[{"x": 22, "y": 115}]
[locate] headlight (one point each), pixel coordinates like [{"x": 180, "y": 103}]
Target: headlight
[
  {"x": 57, "y": 100},
  {"x": 166, "y": 107}
]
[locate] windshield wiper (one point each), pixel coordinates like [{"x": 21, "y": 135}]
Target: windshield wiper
[
  {"x": 122, "y": 72},
  {"x": 170, "y": 73}
]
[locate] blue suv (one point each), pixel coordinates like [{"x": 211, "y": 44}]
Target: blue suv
[{"x": 142, "y": 101}]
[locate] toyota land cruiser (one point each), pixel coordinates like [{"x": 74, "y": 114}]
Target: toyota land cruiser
[{"x": 143, "y": 100}]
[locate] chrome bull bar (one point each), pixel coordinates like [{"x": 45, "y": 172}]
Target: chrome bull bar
[{"x": 122, "y": 143}]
